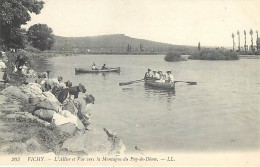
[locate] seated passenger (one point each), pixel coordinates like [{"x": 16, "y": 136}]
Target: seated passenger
[
  {"x": 156, "y": 75},
  {"x": 94, "y": 66}
]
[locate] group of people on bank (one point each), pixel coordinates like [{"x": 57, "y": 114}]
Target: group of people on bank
[
  {"x": 159, "y": 76},
  {"x": 65, "y": 92}
]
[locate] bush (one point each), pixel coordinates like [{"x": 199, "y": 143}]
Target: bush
[
  {"x": 214, "y": 55},
  {"x": 173, "y": 56}
]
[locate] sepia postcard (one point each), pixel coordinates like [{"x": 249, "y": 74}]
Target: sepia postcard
[{"x": 129, "y": 82}]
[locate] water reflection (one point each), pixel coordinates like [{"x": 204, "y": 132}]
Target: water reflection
[{"x": 160, "y": 95}]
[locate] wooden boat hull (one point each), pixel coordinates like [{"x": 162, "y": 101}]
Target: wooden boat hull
[
  {"x": 162, "y": 85},
  {"x": 84, "y": 70}
]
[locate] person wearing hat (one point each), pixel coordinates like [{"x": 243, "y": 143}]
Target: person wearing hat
[
  {"x": 148, "y": 74},
  {"x": 170, "y": 77}
]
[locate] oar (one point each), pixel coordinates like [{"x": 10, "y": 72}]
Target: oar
[
  {"x": 128, "y": 83},
  {"x": 188, "y": 82}
]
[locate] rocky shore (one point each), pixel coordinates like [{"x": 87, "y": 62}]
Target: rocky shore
[{"x": 33, "y": 121}]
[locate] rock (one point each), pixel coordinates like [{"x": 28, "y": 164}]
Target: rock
[
  {"x": 67, "y": 129},
  {"x": 45, "y": 115},
  {"x": 118, "y": 146},
  {"x": 13, "y": 91},
  {"x": 94, "y": 141},
  {"x": 64, "y": 117},
  {"x": 49, "y": 96},
  {"x": 48, "y": 105},
  {"x": 32, "y": 90}
]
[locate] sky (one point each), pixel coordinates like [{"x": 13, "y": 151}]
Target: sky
[{"x": 181, "y": 22}]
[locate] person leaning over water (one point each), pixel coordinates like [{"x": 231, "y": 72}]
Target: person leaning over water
[
  {"x": 83, "y": 114},
  {"x": 148, "y": 74},
  {"x": 74, "y": 90}
]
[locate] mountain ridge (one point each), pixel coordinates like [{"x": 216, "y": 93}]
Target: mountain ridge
[{"x": 115, "y": 43}]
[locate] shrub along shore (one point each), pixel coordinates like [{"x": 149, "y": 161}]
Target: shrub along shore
[
  {"x": 214, "y": 55},
  {"x": 33, "y": 120}
]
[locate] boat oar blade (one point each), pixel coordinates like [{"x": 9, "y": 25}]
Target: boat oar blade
[
  {"x": 187, "y": 82},
  {"x": 191, "y": 83},
  {"x": 131, "y": 82}
]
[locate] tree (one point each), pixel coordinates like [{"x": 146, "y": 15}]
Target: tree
[
  {"x": 257, "y": 41},
  {"x": 41, "y": 36},
  {"x": 238, "y": 34},
  {"x": 13, "y": 14},
  {"x": 199, "y": 46},
  {"x": 252, "y": 44},
  {"x": 17, "y": 38},
  {"x": 245, "y": 40},
  {"x": 141, "y": 48},
  {"x": 233, "y": 41}
]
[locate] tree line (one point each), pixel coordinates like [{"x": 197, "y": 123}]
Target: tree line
[
  {"x": 245, "y": 47},
  {"x": 14, "y": 14}
]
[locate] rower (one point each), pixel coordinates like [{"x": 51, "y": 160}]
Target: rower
[
  {"x": 170, "y": 77},
  {"x": 147, "y": 74},
  {"x": 104, "y": 67}
]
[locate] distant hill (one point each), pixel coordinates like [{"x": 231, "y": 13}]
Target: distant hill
[{"x": 116, "y": 43}]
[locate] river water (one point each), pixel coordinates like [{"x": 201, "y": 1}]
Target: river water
[{"x": 220, "y": 113}]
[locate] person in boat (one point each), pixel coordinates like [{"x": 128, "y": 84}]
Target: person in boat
[
  {"x": 148, "y": 74},
  {"x": 161, "y": 77},
  {"x": 170, "y": 77},
  {"x": 104, "y": 67},
  {"x": 94, "y": 67},
  {"x": 156, "y": 75}
]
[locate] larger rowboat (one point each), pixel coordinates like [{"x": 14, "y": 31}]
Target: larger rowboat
[
  {"x": 84, "y": 70},
  {"x": 158, "y": 84}
]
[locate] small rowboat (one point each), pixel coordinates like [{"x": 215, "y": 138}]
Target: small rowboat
[
  {"x": 162, "y": 85},
  {"x": 84, "y": 70}
]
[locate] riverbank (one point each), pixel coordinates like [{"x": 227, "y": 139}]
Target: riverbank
[{"x": 34, "y": 121}]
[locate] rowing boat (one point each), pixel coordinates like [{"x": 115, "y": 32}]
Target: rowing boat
[
  {"x": 84, "y": 70},
  {"x": 158, "y": 84}
]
